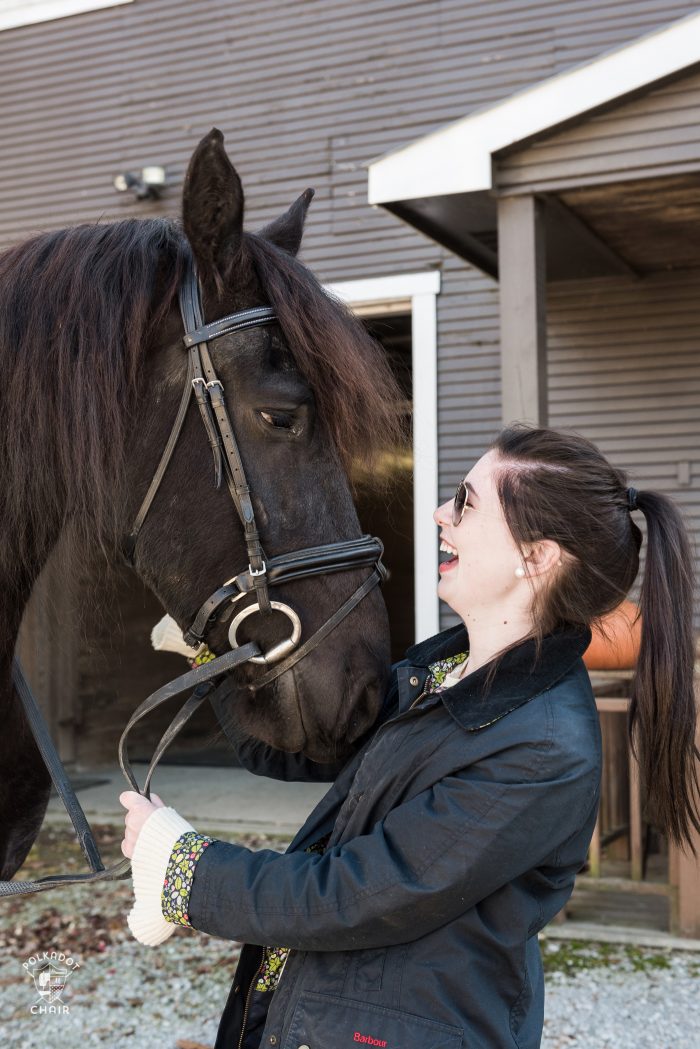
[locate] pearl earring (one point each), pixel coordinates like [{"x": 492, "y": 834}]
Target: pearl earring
[{"x": 520, "y": 572}]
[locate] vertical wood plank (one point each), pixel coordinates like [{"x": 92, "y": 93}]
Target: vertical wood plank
[
  {"x": 594, "y": 850},
  {"x": 521, "y": 253},
  {"x": 687, "y": 912}
]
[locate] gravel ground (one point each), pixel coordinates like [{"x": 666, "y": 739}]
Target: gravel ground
[{"x": 599, "y": 996}]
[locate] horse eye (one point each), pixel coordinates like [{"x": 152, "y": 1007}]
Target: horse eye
[{"x": 281, "y": 421}]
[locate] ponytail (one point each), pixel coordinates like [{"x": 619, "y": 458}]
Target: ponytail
[
  {"x": 662, "y": 716},
  {"x": 558, "y": 485}
]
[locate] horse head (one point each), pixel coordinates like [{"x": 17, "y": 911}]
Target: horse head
[{"x": 304, "y": 395}]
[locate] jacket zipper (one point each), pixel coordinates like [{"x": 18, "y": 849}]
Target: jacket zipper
[
  {"x": 418, "y": 699},
  {"x": 248, "y": 996}
]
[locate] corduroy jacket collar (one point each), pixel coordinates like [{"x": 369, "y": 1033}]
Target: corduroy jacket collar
[{"x": 516, "y": 681}]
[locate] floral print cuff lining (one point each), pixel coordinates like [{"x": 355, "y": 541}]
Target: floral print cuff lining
[
  {"x": 271, "y": 968},
  {"x": 179, "y": 875}
]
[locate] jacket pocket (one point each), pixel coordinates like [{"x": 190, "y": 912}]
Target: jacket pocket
[{"x": 324, "y": 1021}]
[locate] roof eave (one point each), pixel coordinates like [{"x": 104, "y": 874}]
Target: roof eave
[{"x": 459, "y": 158}]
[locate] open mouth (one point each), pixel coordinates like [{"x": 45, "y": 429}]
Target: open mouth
[{"x": 450, "y": 557}]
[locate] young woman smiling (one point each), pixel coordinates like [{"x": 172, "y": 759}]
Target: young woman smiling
[{"x": 405, "y": 912}]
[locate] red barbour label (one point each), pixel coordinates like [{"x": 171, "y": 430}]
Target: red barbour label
[{"x": 367, "y": 1039}]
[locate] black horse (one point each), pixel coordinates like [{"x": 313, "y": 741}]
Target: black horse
[{"x": 93, "y": 368}]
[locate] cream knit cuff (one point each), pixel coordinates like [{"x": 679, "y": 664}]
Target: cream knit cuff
[{"x": 149, "y": 863}]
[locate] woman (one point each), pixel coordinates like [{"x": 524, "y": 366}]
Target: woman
[{"x": 405, "y": 913}]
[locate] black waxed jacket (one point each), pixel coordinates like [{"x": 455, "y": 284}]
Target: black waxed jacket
[{"x": 455, "y": 832}]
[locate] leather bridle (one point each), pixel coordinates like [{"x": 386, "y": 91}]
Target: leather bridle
[{"x": 261, "y": 574}]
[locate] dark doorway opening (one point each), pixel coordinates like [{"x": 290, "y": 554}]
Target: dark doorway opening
[{"x": 388, "y": 511}]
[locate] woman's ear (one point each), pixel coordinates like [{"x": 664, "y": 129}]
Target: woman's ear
[
  {"x": 542, "y": 557},
  {"x": 212, "y": 209}
]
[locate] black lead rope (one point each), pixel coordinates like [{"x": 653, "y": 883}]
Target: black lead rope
[
  {"x": 58, "y": 773},
  {"x": 203, "y": 679}
]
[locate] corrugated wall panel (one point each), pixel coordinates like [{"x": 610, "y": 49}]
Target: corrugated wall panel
[
  {"x": 306, "y": 94},
  {"x": 89, "y": 95},
  {"x": 624, "y": 371},
  {"x": 659, "y": 132}
]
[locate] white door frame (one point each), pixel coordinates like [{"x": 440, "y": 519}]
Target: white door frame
[{"x": 415, "y": 293}]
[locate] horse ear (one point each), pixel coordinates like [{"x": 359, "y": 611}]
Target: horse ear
[
  {"x": 286, "y": 231},
  {"x": 212, "y": 208}
]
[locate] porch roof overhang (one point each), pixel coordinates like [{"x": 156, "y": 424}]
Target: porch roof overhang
[{"x": 445, "y": 183}]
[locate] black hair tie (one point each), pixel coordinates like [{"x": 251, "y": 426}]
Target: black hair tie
[{"x": 632, "y": 499}]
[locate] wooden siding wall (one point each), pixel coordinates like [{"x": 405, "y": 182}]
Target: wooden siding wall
[
  {"x": 656, "y": 134},
  {"x": 624, "y": 370},
  {"x": 306, "y": 93}
]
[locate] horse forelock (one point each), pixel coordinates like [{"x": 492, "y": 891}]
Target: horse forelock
[{"x": 355, "y": 391}]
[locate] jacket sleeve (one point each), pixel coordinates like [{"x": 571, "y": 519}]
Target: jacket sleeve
[
  {"x": 429, "y": 860},
  {"x": 263, "y": 760}
]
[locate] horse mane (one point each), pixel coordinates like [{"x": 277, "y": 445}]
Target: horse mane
[
  {"x": 76, "y": 311},
  {"x": 77, "y": 308}
]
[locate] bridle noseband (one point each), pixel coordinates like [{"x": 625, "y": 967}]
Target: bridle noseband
[{"x": 261, "y": 574}]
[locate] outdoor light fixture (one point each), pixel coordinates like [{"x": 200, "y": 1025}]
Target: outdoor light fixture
[{"x": 148, "y": 185}]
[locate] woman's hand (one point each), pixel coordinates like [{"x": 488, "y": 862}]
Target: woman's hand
[{"x": 138, "y": 810}]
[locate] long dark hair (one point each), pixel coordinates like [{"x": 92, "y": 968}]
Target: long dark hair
[{"x": 558, "y": 485}]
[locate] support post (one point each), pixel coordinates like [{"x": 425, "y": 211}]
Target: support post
[{"x": 521, "y": 253}]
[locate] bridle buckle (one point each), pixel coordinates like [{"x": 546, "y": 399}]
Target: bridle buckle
[{"x": 257, "y": 571}]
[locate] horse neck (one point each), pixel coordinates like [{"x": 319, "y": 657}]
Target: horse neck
[
  {"x": 24, "y": 786},
  {"x": 24, "y": 779}
]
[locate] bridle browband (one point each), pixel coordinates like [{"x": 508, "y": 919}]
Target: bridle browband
[{"x": 262, "y": 573}]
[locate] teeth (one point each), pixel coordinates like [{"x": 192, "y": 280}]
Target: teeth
[{"x": 445, "y": 548}]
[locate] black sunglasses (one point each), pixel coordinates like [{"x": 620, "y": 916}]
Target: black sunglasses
[{"x": 459, "y": 504}]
